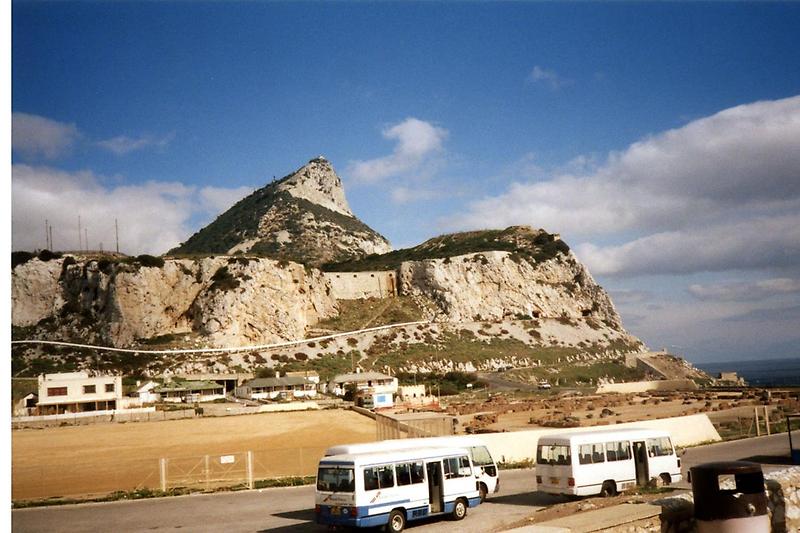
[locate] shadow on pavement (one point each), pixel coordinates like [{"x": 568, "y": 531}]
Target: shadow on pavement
[
  {"x": 528, "y": 499},
  {"x": 769, "y": 459},
  {"x": 307, "y": 524}
]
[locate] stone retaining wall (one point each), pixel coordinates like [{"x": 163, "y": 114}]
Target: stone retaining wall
[{"x": 677, "y": 512}]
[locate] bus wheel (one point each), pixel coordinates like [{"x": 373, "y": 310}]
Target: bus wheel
[
  {"x": 666, "y": 479},
  {"x": 397, "y": 521},
  {"x": 483, "y": 492},
  {"x": 609, "y": 489},
  {"x": 460, "y": 509}
]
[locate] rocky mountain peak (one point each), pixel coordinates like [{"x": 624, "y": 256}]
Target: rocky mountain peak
[
  {"x": 302, "y": 217},
  {"x": 318, "y": 183}
]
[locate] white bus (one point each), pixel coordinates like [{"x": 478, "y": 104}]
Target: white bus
[
  {"x": 605, "y": 461},
  {"x": 482, "y": 460},
  {"x": 393, "y": 487}
]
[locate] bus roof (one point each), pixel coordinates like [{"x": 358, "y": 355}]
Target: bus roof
[
  {"x": 405, "y": 444},
  {"x": 391, "y": 456},
  {"x": 583, "y": 437}
]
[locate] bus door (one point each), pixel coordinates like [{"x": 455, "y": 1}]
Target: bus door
[
  {"x": 640, "y": 460},
  {"x": 435, "y": 488}
]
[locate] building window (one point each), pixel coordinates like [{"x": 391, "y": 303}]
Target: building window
[
  {"x": 56, "y": 391},
  {"x": 89, "y": 389},
  {"x": 109, "y": 387}
]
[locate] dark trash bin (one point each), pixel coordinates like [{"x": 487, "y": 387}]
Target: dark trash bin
[{"x": 729, "y": 497}]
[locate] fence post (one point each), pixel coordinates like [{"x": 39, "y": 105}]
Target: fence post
[
  {"x": 758, "y": 426},
  {"x": 163, "y": 472},
  {"x": 250, "y": 483},
  {"x": 207, "y": 472},
  {"x": 766, "y": 419}
]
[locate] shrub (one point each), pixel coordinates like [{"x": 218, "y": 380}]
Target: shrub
[
  {"x": 20, "y": 258},
  {"x": 47, "y": 255},
  {"x": 150, "y": 261},
  {"x": 223, "y": 280}
]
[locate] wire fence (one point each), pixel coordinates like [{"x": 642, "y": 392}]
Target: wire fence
[
  {"x": 750, "y": 422},
  {"x": 195, "y": 472}
]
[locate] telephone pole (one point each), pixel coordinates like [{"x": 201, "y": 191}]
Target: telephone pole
[
  {"x": 116, "y": 232},
  {"x": 80, "y": 244}
]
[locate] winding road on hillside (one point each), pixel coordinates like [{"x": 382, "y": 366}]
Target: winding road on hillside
[{"x": 290, "y": 509}]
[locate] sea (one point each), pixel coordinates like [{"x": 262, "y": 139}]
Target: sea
[{"x": 760, "y": 373}]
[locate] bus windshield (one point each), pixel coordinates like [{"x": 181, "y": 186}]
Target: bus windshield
[
  {"x": 481, "y": 456},
  {"x": 332, "y": 479},
  {"x": 553, "y": 454}
]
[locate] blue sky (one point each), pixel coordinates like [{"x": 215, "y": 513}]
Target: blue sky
[{"x": 660, "y": 140}]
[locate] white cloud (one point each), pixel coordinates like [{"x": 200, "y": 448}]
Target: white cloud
[
  {"x": 720, "y": 193},
  {"x": 549, "y": 78},
  {"x": 407, "y": 195},
  {"x": 34, "y": 136},
  {"x": 219, "y": 199},
  {"x": 745, "y": 291},
  {"x": 415, "y": 140},
  {"x": 153, "y": 217},
  {"x": 123, "y": 144}
]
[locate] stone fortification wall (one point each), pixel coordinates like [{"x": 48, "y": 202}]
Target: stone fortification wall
[
  {"x": 643, "y": 386},
  {"x": 362, "y": 285},
  {"x": 515, "y": 446}
]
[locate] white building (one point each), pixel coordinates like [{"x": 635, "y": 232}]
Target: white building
[
  {"x": 286, "y": 387},
  {"x": 364, "y": 382},
  {"x": 77, "y": 392},
  {"x": 190, "y": 391}
]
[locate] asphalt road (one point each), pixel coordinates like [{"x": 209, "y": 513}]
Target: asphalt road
[{"x": 291, "y": 509}]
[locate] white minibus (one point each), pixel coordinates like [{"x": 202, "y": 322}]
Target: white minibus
[
  {"x": 604, "y": 461},
  {"x": 393, "y": 487},
  {"x": 485, "y": 467}
]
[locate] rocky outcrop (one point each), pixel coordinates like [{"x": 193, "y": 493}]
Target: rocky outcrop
[
  {"x": 222, "y": 301},
  {"x": 303, "y": 217},
  {"x": 499, "y": 285}
]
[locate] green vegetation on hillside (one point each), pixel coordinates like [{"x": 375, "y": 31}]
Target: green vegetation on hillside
[
  {"x": 446, "y": 384},
  {"x": 358, "y": 314},
  {"x": 523, "y": 242},
  {"x": 465, "y": 347},
  {"x": 241, "y": 222},
  {"x": 577, "y": 373},
  {"x": 326, "y": 366}
]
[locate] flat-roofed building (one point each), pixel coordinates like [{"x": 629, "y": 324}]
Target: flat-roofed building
[{"x": 77, "y": 392}]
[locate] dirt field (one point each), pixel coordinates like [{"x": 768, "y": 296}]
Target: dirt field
[{"x": 72, "y": 461}]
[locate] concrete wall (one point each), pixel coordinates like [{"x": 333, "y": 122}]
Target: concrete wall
[
  {"x": 516, "y": 446},
  {"x": 361, "y": 285},
  {"x": 643, "y": 386}
]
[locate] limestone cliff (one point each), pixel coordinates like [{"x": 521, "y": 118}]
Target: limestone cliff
[
  {"x": 495, "y": 286},
  {"x": 218, "y": 301},
  {"x": 303, "y": 217}
]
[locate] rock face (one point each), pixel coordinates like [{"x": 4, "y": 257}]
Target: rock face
[
  {"x": 221, "y": 301},
  {"x": 495, "y": 286},
  {"x": 303, "y": 217}
]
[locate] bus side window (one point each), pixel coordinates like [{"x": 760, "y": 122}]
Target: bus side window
[
  {"x": 403, "y": 474},
  {"x": 417, "y": 473},
  {"x": 370, "y": 478},
  {"x": 618, "y": 451},
  {"x": 464, "y": 468},
  {"x": 386, "y": 476}
]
